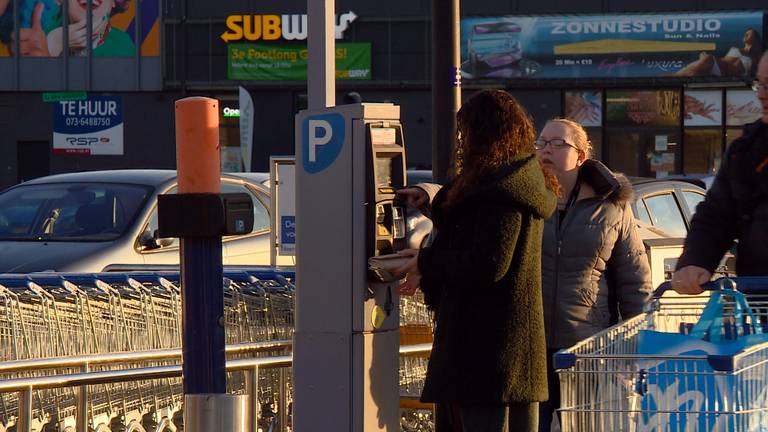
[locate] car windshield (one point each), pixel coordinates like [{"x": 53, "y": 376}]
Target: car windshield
[{"x": 69, "y": 211}]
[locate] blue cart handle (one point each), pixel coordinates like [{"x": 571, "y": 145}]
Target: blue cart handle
[{"x": 745, "y": 284}]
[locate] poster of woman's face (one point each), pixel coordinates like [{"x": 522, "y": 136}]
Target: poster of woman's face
[{"x": 44, "y": 29}]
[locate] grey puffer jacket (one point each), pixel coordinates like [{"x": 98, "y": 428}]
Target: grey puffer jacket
[{"x": 593, "y": 260}]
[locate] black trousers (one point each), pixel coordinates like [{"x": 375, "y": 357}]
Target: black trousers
[
  {"x": 487, "y": 418},
  {"x": 547, "y": 409}
]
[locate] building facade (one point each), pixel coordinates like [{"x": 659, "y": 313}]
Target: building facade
[{"x": 639, "y": 76}]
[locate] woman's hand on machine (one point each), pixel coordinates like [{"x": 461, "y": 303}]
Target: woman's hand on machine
[
  {"x": 414, "y": 197},
  {"x": 411, "y": 272}
]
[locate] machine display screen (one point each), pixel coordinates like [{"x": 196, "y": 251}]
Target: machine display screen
[
  {"x": 383, "y": 170},
  {"x": 383, "y": 136}
]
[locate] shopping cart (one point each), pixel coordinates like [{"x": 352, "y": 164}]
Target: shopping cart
[
  {"x": 45, "y": 315},
  {"x": 606, "y": 382}
]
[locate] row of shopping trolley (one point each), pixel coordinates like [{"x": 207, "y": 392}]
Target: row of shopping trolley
[
  {"x": 46, "y": 315},
  {"x": 49, "y": 315}
]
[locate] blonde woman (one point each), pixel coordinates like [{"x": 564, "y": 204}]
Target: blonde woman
[{"x": 594, "y": 268}]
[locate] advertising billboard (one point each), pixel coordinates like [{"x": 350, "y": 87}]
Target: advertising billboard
[
  {"x": 114, "y": 25},
  {"x": 584, "y": 107},
  {"x": 742, "y": 107},
  {"x": 703, "y": 108},
  {"x": 254, "y": 61},
  {"x": 602, "y": 46}
]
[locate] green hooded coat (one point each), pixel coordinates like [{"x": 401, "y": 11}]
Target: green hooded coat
[{"x": 482, "y": 276}]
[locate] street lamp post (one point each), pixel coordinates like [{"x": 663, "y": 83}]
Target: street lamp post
[{"x": 446, "y": 84}]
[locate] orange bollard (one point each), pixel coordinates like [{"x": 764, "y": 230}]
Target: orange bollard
[
  {"x": 198, "y": 169},
  {"x": 198, "y": 161}
]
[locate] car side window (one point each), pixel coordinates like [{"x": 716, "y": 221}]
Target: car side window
[
  {"x": 642, "y": 212},
  {"x": 152, "y": 230},
  {"x": 692, "y": 199},
  {"x": 152, "y": 226},
  {"x": 260, "y": 214},
  {"x": 665, "y": 214}
]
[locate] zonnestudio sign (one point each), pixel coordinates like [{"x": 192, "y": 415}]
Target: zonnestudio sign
[{"x": 603, "y": 46}]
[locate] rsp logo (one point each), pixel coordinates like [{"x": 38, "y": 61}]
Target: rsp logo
[
  {"x": 322, "y": 140},
  {"x": 82, "y": 141}
]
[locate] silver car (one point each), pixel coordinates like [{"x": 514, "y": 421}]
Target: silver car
[{"x": 107, "y": 220}]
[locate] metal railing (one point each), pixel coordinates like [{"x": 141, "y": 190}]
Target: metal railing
[
  {"x": 251, "y": 366},
  {"x": 131, "y": 357}
]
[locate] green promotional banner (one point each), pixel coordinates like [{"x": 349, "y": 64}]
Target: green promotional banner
[{"x": 253, "y": 61}]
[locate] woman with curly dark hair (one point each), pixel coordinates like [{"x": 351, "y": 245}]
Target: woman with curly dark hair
[{"x": 482, "y": 274}]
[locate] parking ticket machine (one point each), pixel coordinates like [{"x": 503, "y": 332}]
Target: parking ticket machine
[
  {"x": 350, "y": 161},
  {"x": 386, "y": 174}
]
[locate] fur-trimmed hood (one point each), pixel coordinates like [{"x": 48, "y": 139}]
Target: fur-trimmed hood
[
  {"x": 519, "y": 183},
  {"x": 606, "y": 183}
]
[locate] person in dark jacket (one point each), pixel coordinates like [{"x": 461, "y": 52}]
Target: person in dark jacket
[
  {"x": 594, "y": 267},
  {"x": 735, "y": 207},
  {"x": 482, "y": 275}
]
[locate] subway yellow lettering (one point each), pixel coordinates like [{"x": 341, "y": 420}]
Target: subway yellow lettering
[
  {"x": 235, "y": 31},
  {"x": 252, "y": 27},
  {"x": 271, "y": 27},
  {"x": 274, "y": 27}
]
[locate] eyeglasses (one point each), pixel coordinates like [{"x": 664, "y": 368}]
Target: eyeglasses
[
  {"x": 757, "y": 86},
  {"x": 556, "y": 143}
]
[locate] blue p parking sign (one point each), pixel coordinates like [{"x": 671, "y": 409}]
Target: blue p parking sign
[{"x": 322, "y": 140}]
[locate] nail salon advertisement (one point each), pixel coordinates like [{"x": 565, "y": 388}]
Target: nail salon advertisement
[
  {"x": 92, "y": 126},
  {"x": 601, "y": 46}
]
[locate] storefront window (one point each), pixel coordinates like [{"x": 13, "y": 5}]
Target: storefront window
[
  {"x": 731, "y": 134},
  {"x": 703, "y": 108},
  {"x": 229, "y": 137},
  {"x": 703, "y": 120},
  {"x": 596, "y": 138},
  {"x": 702, "y": 152},
  {"x": 586, "y": 108},
  {"x": 742, "y": 107},
  {"x": 643, "y": 132},
  {"x": 632, "y": 108}
]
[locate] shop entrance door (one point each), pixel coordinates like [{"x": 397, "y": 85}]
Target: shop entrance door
[
  {"x": 642, "y": 131},
  {"x": 33, "y": 159},
  {"x": 643, "y": 151}
]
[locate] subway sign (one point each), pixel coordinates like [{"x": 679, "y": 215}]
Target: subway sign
[{"x": 276, "y": 27}]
